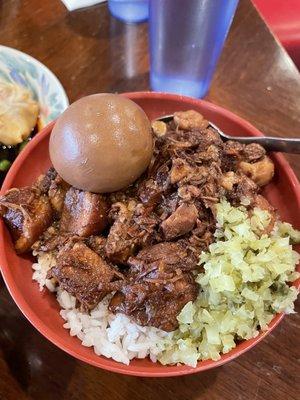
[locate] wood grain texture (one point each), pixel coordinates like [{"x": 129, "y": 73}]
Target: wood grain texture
[{"x": 91, "y": 52}]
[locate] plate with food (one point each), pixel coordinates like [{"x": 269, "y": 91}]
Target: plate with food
[
  {"x": 150, "y": 248},
  {"x": 30, "y": 97}
]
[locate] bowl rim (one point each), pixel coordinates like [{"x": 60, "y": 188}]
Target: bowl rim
[
  {"x": 108, "y": 364},
  {"x": 41, "y": 66}
]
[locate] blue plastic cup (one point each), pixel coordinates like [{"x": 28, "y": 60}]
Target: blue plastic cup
[
  {"x": 129, "y": 11},
  {"x": 186, "y": 40}
]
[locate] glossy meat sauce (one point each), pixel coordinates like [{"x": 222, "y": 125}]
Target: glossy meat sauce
[{"x": 141, "y": 244}]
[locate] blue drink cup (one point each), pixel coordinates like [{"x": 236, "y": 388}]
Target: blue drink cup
[
  {"x": 129, "y": 11},
  {"x": 186, "y": 39}
]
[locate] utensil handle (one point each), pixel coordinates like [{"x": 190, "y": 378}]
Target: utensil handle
[
  {"x": 284, "y": 145},
  {"x": 288, "y": 145}
]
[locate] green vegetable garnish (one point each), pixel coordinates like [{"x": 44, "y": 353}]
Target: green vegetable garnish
[
  {"x": 22, "y": 145},
  {"x": 4, "y": 165}
]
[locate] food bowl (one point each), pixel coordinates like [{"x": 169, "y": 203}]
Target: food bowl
[
  {"x": 42, "y": 309},
  {"x": 22, "y": 69}
]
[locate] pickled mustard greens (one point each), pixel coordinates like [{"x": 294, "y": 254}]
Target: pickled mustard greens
[{"x": 245, "y": 282}]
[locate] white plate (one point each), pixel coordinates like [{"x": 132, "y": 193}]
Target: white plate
[{"x": 25, "y": 70}]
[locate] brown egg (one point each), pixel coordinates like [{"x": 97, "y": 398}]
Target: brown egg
[{"x": 101, "y": 143}]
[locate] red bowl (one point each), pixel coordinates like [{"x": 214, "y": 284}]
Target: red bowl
[{"x": 41, "y": 308}]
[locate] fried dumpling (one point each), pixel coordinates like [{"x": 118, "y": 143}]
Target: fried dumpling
[{"x": 18, "y": 113}]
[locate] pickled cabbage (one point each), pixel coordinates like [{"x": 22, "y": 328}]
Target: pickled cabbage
[{"x": 243, "y": 284}]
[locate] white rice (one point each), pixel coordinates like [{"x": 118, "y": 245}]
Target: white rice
[
  {"x": 45, "y": 262},
  {"x": 111, "y": 335}
]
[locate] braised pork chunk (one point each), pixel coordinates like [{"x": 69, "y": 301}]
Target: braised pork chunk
[
  {"x": 27, "y": 213},
  {"x": 157, "y": 286},
  {"x": 79, "y": 270},
  {"x": 84, "y": 213}
]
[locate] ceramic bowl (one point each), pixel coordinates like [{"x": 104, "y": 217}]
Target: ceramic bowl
[{"x": 42, "y": 309}]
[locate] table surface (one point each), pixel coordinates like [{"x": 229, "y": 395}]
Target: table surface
[{"x": 92, "y": 52}]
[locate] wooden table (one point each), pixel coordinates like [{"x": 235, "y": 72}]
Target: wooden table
[{"x": 91, "y": 52}]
